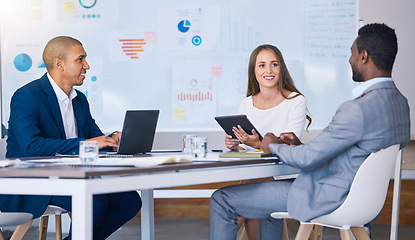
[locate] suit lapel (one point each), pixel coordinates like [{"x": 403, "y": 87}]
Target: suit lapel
[
  {"x": 54, "y": 105},
  {"x": 79, "y": 116}
]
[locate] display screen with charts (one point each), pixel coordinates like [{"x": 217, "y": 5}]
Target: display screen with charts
[{"x": 188, "y": 59}]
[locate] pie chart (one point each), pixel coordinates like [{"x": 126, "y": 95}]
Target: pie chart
[
  {"x": 22, "y": 62},
  {"x": 184, "y": 26},
  {"x": 88, "y": 3}
]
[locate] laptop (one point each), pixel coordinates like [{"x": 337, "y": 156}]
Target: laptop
[{"x": 138, "y": 132}]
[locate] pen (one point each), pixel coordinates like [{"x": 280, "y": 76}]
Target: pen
[{"x": 217, "y": 150}]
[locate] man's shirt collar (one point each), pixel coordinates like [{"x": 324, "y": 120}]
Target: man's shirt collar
[
  {"x": 60, "y": 94},
  {"x": 359, "y": 89}
]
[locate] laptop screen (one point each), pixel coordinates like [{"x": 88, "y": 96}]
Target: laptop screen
[{"x": 138, "y": 131}]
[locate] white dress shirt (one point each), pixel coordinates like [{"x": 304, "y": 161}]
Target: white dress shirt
[
  {"x": 66, "y": 107},
  {"x": 359, "y": 89}
]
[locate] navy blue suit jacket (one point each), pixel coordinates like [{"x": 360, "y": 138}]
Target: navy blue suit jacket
[
  {"x": 35, "y": 124},
  {"x": 36, "y": 129}
]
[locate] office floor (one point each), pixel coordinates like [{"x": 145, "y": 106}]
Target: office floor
[{"x": 197, "y": 229}]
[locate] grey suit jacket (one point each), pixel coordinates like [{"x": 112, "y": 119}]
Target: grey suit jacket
[{"x": 375, "y": 120}]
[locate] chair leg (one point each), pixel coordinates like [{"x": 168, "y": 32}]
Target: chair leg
[
  {"x": 1, "y": 235},
  {"x": 360, "y": 233},
  {"x": 58, "y": 226},
  {"x": 345, "y": 234},
  {"x": 21, "y": 230},
  {"x": 243, "y": 234},
  {"x": 304, "y": 231},
  {"x": 43, "y": 231},
  {"x": 284, "y": 230},
  {"x": 317, "y": 233}
]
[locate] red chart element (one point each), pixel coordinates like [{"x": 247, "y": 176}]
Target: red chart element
[
  {"x": 131, "y": 47},
  {"x": 196, "y": 97}
]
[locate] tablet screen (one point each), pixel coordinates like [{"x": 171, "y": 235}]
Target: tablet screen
[{"x": 228, "y": 122}]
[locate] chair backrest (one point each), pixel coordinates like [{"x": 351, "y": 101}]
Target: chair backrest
[
  {"x": 368, "y": 191},
  {"x": 14, "y": 218},
  {"x": 3, "y": 148}
]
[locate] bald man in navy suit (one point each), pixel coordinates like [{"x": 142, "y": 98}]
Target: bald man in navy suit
[{"x": 47, "y": 117}]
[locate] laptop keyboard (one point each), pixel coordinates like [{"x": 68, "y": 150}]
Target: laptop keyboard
[{"x": 114, "y": 155}]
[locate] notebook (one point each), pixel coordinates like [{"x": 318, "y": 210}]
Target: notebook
[
  {"x": 138, "y": 131},
  {"x": 244, "y": 154}
]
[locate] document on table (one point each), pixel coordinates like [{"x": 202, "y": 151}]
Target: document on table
[
  {"x": 8, "y": 162},
  {"x": 107, "y": 161},
  {"x": 17, "y": 163},
  {"x": 123, "y": 162}
]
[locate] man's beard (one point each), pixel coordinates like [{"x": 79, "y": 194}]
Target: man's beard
[{"x": 357, "y": 77}]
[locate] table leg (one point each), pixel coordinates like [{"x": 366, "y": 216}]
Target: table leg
[
  {"x": 82, "y": 216},
  {"x": 396, "y": 198},
  {"x": 147, "y": 214}
]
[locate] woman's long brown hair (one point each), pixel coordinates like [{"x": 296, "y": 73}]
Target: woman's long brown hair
[{"x": 285, "y": 81}]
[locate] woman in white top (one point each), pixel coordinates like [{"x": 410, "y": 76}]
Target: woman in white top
[
  {"x": 273, "y": 104},
  {"x": 287, "y": 116}
]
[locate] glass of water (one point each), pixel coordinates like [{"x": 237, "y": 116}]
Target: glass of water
[
  {"x": 88, "y": 151},
  {"x": 187, "y": 143},
  {"x": 199, "y": 147}
]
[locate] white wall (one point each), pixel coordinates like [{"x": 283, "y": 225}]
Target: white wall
[
  {"x": 398, "y": 14},
  {"x": 173, "y": 140}
]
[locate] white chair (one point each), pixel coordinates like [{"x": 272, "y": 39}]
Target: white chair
[
  {"x": 316, "y": 233},
  {"x": 20, "y": 219},
  {"x": 2, "y": 148},
  {"x": 364, "y": 201},
  {"x": 44, "y": 220}
]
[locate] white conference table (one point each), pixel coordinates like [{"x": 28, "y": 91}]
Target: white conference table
[{"x": 83, "y": 182}]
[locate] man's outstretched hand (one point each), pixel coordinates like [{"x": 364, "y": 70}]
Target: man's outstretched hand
[
  {"x": 285, "y": 138},
  {"x": 267, "y": 140},
  {"x": 290, "y": 138}
]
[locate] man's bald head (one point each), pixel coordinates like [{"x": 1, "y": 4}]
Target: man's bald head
[{"x": 58, "y": 47}]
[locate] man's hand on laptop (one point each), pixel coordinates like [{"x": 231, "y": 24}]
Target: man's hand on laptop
[
  {"x": 116, "y": 136},
  {"x": 105, "y": 141}
]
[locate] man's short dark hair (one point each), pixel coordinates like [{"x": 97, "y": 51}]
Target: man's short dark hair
[
  {"x": 380, "y": 43},
  {"x": 58, "y": 47}
]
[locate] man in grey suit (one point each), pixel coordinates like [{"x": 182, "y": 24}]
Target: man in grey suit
[{"x": 376, "y": 118}]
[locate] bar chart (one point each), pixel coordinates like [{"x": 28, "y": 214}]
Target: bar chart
[{"x": 131, "y": 47}]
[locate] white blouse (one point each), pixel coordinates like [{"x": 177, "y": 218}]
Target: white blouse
[{"x": 288, "y": 116}]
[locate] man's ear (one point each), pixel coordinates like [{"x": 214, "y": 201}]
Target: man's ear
[
  {"x": 58, "y": 64},
  {"x": 364, "y": 56}
]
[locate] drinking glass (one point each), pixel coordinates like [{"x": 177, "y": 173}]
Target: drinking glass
[
  {"x": 88, "y": 151},
  {"x": 187, "y": 143},
  {"x": 199, "y": 147}
]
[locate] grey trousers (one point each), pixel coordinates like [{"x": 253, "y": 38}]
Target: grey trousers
[{"x": 256, "y": 200}]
